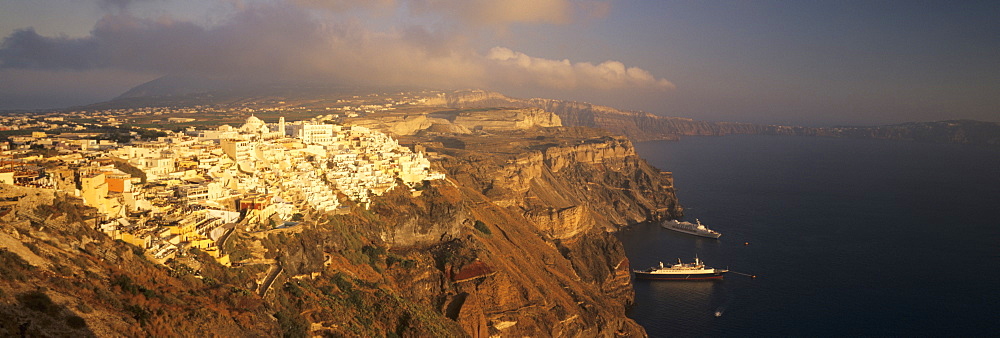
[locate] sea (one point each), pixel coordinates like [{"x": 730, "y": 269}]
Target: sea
[{"x": 846, "y": 237}]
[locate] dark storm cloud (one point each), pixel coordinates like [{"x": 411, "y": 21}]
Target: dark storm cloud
[
  {"x": 264, "y": 39},
  {"x": 26, "y": 49}
]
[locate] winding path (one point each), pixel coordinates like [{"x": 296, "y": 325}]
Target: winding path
[{"x": 271, "y": 275}]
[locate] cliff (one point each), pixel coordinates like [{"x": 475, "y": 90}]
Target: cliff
[
  {"x": 569, "y": 185},
  {"x": 460, "y": 121},
  {"x": 496, "y": 119}
]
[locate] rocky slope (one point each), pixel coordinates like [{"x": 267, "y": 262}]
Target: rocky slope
[
  {"x": 514, "y": 243},
  {"x": 60, "y": 277}
]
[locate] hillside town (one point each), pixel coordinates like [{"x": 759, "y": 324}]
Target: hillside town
[{"x": 192, "y": 188}]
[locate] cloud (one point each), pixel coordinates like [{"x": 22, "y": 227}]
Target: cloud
[
  {"x": 563, "y": 74},
  {"x": 261, "y": 41},
  {"x": 281, "y": 41},
  {"x": 26, "y": 49},
  {"x": 499, "y": 12},
  {"x": 478, "y": 13}
]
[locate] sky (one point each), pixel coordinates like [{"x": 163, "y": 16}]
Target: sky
[{"x": 814, "y": 63}]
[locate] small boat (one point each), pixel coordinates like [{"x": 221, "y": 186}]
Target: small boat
[
  {"x": 691, "y": 228},
  {"x": 681, "y": 271}
]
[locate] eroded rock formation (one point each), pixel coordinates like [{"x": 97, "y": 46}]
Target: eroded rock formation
[{"x": 462, "y": 121}]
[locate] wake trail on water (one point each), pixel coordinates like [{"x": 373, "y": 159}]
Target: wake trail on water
[{"x": 725, "y": 305}]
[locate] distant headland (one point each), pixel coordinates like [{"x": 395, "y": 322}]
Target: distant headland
[{"x": 643, "y": 126}]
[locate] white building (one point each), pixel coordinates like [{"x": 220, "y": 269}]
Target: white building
[
  {"x": 238, "y": 149},
  {"x": 313, "y": 133}
]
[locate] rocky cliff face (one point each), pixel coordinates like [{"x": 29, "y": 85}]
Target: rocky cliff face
[
  {"x": 569, "y": 188},
  {"x": 506, "y": 119},
  {"x": 462, "y": 121},
  {"x": 534, "y": 255},
  {"x": 552, "y": 266}
]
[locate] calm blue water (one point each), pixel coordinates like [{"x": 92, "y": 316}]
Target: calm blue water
[{"x": 847, "y": 237}]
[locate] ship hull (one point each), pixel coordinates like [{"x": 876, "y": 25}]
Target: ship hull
[
  {"x": 699, "y": 234},
  {"x": 658, "y": 276},
  {"x": 690, "y": 229}
]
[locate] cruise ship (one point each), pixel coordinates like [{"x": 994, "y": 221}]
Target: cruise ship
[
  {"x": 696, "y": 229},
  {"x": 681, "y": 271}
]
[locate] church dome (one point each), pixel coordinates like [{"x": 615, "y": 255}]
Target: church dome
[
  {"x": 253, "y": 125},
  {"x": 254, "y": 120}
]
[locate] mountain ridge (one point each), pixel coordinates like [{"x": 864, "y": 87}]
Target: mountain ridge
[
  {"x": 173, "y": 90},
  {"x": 643, "y": 126}
]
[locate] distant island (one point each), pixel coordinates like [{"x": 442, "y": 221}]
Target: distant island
[{"x": 643, "y": 126}]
